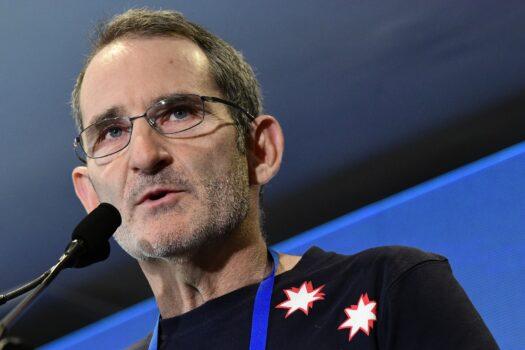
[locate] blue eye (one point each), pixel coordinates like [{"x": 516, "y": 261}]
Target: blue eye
[
  {"x": 110, "y": 134},
  {"x": 114, "y": 131},
  {"x": 178, "y": 114},
  {"x": 107, "y": 136}
]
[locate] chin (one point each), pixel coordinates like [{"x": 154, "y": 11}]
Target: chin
[{"x": 162, "y": 242}]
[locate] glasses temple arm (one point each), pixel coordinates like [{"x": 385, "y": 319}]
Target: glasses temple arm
[{"x": 231, "y": 104}]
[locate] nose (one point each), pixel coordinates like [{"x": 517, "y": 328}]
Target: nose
[{"x": 147, "y": 152}]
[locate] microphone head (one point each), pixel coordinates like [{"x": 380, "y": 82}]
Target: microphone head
[{"x": 94, "y": 231}]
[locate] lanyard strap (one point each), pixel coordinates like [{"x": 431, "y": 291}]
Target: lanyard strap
[
  {"x": 261, "y": 312},
  {"x": 261, "y": 308}
]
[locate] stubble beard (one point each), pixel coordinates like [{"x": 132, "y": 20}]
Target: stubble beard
[{"x": 226, "y": 203}]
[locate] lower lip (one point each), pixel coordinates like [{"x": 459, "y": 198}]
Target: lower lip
[{"x": 169, "y": 199}]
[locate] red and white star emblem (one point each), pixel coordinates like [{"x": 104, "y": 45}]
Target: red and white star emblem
[
  {"x": 360, "y": 317},
  {"x": 301, "y": 298}
]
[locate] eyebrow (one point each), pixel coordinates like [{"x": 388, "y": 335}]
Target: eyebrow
[
  {"x": 110, "y": 113},
  {"x": 117, "y": 111}
]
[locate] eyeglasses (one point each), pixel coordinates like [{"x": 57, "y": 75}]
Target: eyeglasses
[{"x": 173, "y": 115}]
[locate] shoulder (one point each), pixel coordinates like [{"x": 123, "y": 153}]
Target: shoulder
[
  {"x": 397, "y": 258},
  {"x": 387, "y": 263},
  {"x": 395, "y": 262}
]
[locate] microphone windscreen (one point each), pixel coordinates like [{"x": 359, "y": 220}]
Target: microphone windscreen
[{"x": 94, "y": 231}]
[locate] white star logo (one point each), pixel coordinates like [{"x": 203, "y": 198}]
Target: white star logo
[
  {"x": 301, "y": 298},
  {"x": 360, "y": 317}
]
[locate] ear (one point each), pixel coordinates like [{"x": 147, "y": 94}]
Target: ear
[
  {"x": 84, "y": 188},
  {"x": 266, "y": 149}
]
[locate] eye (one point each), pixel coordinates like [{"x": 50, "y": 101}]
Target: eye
[
  {"x": 113, "y": 132},
  {"x": 109, "y": 133},
  {"x": 177, "y": 114},
  {"x": 178, "y": 117}
]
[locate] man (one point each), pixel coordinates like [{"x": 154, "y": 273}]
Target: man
[{"x": 172, "y": 134}]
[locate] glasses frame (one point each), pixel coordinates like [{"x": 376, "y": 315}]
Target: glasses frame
[{"x": 77, "y": 142}]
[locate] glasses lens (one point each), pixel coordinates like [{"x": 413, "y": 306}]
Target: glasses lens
[
  {"x": 106, "y": 137},
  {"x": 176, "y": 114}
]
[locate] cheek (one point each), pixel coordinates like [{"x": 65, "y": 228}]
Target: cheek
[
  {"x": 108, "y": 184},
  {"x": 213, "y": 161}
]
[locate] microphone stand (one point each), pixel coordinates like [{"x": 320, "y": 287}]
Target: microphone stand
[
  {"x": 48, "y": 277},
  {"x": 4, "y": 298}
]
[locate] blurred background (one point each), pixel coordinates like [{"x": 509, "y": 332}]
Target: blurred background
[{"x": 374, "y": 97}]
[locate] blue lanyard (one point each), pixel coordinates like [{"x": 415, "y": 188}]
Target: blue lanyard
[{"x": 261, "y": 312}]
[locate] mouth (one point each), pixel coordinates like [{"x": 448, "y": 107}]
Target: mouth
[{"x": 158, "y": 197}]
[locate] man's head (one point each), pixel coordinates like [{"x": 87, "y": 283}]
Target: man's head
[{"x": 181, "y": 192}]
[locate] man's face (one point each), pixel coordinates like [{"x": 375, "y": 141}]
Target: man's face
[{"x": 174, "y": 194}]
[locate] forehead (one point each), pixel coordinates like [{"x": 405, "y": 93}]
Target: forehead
[{"x": 130, "y": 73}]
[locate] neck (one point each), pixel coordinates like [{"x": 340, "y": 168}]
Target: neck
[{"x": 181, "y": 285}]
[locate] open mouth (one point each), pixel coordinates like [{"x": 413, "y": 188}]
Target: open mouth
[{"x": 157, "y": 195}]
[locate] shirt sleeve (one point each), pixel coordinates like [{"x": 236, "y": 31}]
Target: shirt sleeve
[{"x": 426, "y": 308}]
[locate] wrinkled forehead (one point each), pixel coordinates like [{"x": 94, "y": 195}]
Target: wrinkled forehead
[{"x": 129, "y": 74}]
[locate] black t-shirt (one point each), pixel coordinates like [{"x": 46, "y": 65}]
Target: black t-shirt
[{"x": 381, "y": 298}]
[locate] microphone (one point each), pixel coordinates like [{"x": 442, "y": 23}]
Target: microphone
[
  {"x": 89, "y": 245},
  {"x": 93, "y": 234}
]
